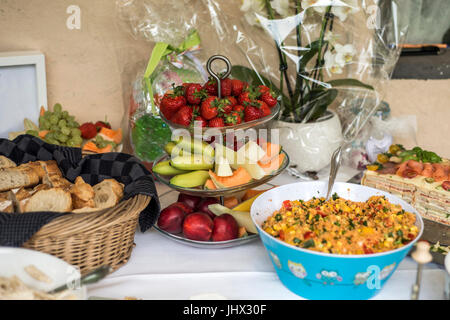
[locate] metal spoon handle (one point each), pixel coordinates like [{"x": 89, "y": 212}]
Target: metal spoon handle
[
  {"x": 91, "y": 277},
  {"x": 335, "y": 164}
]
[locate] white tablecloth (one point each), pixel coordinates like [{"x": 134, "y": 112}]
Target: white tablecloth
[{"x": 160, "y": 268}]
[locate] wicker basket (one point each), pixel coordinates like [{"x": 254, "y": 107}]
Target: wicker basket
[{"x": 90, "y": 240}]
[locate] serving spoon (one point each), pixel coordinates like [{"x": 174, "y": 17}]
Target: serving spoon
[
  {"x": 336, "y": 159},
  {"x": 92, "y": 277}
]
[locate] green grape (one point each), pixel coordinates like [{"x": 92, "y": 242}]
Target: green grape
[
  {"x": 75, "y": 132},
  {"x": 62, "y": 123},
  {"x": 66, "y": 131},
  {"x": 65, "y": 115},
  {"x": 77, "y": 140},
  {"x": 71, "y": 143},
  {"x": 62, "y": 137},
  {"x": 47, "y": 113},
  {"x": 58, "y": 115},
  {"x": 57, "y": 107},
  {"x": 54, "y": 119}
]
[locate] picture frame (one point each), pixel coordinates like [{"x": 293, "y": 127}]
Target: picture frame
[{"x": 23, "y": 89}]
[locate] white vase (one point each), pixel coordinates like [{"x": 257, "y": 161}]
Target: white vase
[{"x": 311, "y": 145}]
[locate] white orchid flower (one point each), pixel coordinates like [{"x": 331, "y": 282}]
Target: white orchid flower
[
  {"x": 251, "y": 9},
  {"x": 252, "y": 5},
  {"x": 343, "y": 11},
  {"x": 314, "y": 4},
  {"x": 331, "y": 37},
  {"x": 344, "y": 54},
  {"x": 281, "y": 7},
  {"x": 331, "y": 65}
]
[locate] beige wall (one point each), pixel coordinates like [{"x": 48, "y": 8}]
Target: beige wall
[{"x": 86, "y": 68}]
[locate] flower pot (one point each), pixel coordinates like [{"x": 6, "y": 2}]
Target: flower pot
[{"x": 311, "y": 145}]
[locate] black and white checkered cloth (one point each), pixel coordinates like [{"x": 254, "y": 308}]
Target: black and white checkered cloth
[{"x": 16, "y": 229}]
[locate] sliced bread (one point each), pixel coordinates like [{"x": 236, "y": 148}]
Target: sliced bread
[
  {"x": 55, "y": 199},
  {"x": 108, "y": 193},
  {"x": 18, "y": 177},
  {"x": 6, "y": 163},
  {"x": 6, "y": 206},
  {"x": 82, "y": 194}
]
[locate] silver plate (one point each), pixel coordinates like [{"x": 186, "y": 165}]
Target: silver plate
[{"x": 208, "y": 244}]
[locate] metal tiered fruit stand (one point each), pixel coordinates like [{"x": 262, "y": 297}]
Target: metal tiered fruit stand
[{"x": 223, "y": 192}]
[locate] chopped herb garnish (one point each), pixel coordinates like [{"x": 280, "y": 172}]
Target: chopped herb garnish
[
  {"x": 297, "y": 241},
  {"x": 309, "y": 244},
  {"x": 278, "y": 217},
  {"x": 335, "y": 196}
]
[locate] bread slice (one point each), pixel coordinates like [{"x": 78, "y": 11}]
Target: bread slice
[
  {"x": 55, "y": 199},
  {"x": 82, "y": 194},
  {"x": 6, "y": 163},
  {"x": 18, "y": 177},
  {"x": 53, "y": 176},
  {"x": 108, "y": 193},
  {"x": 6, "y": 206}
]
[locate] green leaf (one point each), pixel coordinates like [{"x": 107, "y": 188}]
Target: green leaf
[
  {"x": 350, "y": 83},
  {"x": 307, "y": 55}
]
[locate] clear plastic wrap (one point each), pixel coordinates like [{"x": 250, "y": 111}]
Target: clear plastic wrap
[{"x": 325, "y": 59}]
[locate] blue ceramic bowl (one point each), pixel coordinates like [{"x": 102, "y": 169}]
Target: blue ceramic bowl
[{"x": 315, "y": 275}]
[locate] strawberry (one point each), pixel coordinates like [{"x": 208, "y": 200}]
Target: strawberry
[
  {"x": 204, "y": 123},
  {"x": 211, "y": 87},
  {"x": 237, "y": 86},
  {"x": 216, "y": 123},
  {"x": 227, "y": 87},
  {"x": 264, "y": 108},
  {"x": 233, "y": 118},
  {"x": 172, "y": 102},
  {"x": 227, "y": 106},
  {"x": 183, "y": 116},
  {"x": 194, "y": 93},
  {"x": 233, "y": 101},
  {"x": 102, "y": 124},
  {"x": 244, "y": 97},
  {"x": 268, "y": 98},
  {"x": 88, "y": 130},
  {"x": 210, "y": 108},
  {"x": 263, "y": 89},
  {"x": 239, "y": 108},
  {"x": 252, "y": 113},
  {"x": 248, "y": 95}
]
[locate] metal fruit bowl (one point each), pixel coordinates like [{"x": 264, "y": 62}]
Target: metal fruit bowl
[
  {"x": 180, "y": 238},
  {"x": 220, "y": 192}
]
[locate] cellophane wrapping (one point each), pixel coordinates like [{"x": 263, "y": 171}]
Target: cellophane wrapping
[{"x": 321, "y": 57}]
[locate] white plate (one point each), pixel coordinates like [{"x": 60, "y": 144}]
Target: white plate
[{"x": 14, "y": 260}]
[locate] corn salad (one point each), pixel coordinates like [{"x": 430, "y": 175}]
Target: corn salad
[{"x": 342, "y": 226}]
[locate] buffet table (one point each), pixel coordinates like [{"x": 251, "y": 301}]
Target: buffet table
[{"x": 163, "y": 269}]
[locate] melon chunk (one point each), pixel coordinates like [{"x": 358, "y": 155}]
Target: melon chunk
[
  {"x": 251, "y": 152},
  {"x": 272, "y": 150},
  {"x": 254, "y": 170},
  {"x": 223, "y": 168},
  {"x": 239, "y": 177},
  {"x": 209, "y": 185},
  {"x": 273, "y": 165}
]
